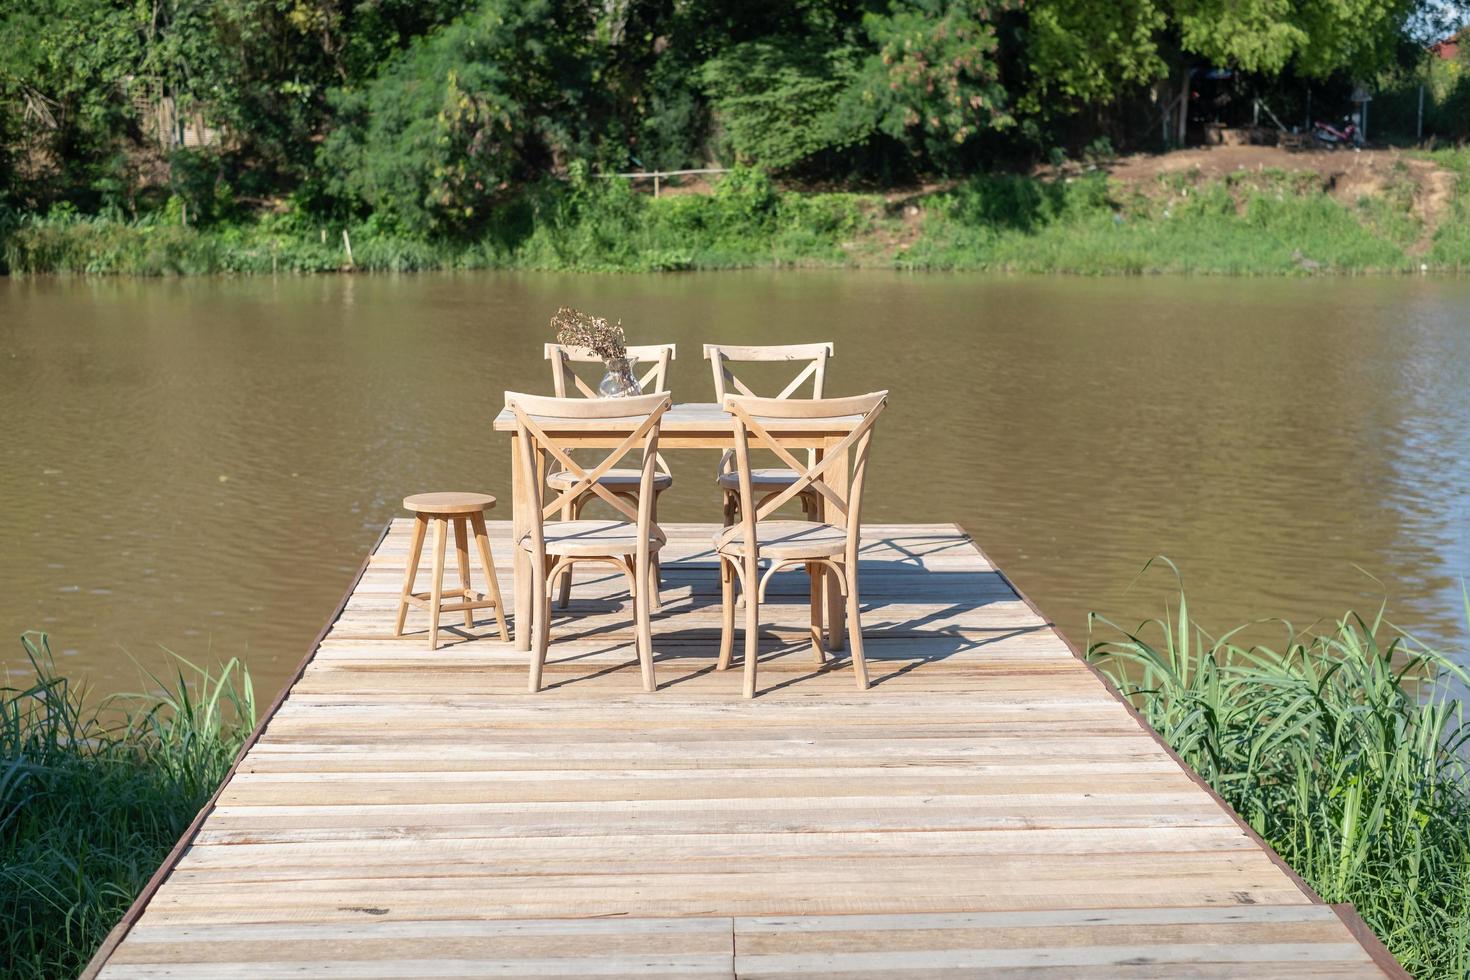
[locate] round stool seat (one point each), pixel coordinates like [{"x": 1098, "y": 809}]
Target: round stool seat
[{"x": 449, "y": 502}]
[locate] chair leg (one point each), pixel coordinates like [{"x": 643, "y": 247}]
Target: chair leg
[
  {"x": 727, "y": 610},
  {"x": 415, "y": 548},
  {"x": 835, "y": 619},
  {"x": 642, "y": 601},
  {"x": 817, "y": 573},
  {"x": 570, "y": 511},
  {"x": 436, "y": 588},
  {"x": 540, "y": 623},
  {"x": 492, "y": 587},
  {"x": 855, "y": 629},
  {"x": 731, "y": 513},
  {"x": 752, "y": 625},
  {"x": 655, "y": 593},
  {"x": 462, "y": 555}
]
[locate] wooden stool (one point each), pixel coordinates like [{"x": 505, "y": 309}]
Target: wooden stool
[{"x": 441, "y": 508}]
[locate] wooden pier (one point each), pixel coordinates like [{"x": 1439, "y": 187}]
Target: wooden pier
[{"x": 989, "y": 806}]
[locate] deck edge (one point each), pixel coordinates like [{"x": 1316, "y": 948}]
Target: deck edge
[
  {"x": 1360, "y": 930},
  {"x": 119, "y": 932},
  {"x": 1369, "y": 940}
]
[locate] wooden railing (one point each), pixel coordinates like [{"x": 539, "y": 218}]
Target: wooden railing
[{"x": 660, "y": 175}]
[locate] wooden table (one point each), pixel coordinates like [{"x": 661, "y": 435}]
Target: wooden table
[{"x": 692, "y": 425}]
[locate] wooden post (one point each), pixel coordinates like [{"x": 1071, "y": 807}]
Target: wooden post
[
  {"x": 1164, "y": 117},
  {"x": 655, "y": 184},
  {"x": 1184, "y": 111},
  {"x": 1419, "y": 122}
]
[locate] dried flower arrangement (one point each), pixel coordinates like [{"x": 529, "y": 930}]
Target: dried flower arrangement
[{"x": 577, "y": 329}]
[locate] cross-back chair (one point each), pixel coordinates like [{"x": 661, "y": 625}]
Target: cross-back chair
[
  {"x": 767, "y": 481},
  {"x": 565, "y": 379},
  {"x": 620, "y": 481},
  {"x": 629, "y": 543},
  {"x": 822, "y": 547}
]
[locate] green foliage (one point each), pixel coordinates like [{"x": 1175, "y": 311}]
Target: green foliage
[
  {"x": 93, "y": 797},
  {"x": 1083, "y": 52},
  {"x": 783, "y": 103},
  {"x": 444, "y": 129},
  {"x": 65, "y": 66},
  {"x": 1274, "y": 226},
  {"x": 434, "y": 115},
  {"x": 1346, "y": 751},
  {"x": 604, "y": 225},
  {"x": 935, "y": 76},
  {"x": 1251, "y": 223},
  {"x": 1314, "y": 39}
]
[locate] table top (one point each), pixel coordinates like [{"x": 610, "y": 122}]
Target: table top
[{"x": 688, "y": 418}]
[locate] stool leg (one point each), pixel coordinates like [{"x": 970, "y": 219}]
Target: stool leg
[
  {"x": 492, "y": 590},
  {"x": 420, "y": 524},
  {"x": 436, "y": 593},
  {"x": 462, "y": 554}
]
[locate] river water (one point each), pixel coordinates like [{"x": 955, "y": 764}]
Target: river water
[{"x": 200, "y": 464}]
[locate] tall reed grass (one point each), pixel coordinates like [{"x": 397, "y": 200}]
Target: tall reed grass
[
  {"x": 1344, "y": 749},
  {"x": 93, "y": 796}
]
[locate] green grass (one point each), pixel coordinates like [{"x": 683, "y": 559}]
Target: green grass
[
  {"x": 1344, "y": 749},
  {"x": 1274, "y": 226},
  {"x": 92, "y": 797},
  {"x": 1256, "y": 223}
]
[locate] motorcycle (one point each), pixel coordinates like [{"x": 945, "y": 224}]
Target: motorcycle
[{"x": 1332, "y": 137}]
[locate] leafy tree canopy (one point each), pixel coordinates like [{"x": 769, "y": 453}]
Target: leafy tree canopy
[{"x": 428, "y": 112}]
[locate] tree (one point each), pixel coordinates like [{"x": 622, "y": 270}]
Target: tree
[
  {"x": 1089, "y": 52},
  {"x": 782, "y": 101},
  {"x": 934, "y": 81},
  {"x": 65, "y": 66},
  {"x": 441, "y": 133}
]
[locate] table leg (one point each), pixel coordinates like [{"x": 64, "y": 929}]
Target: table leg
[
  {"x": 835, "y": 477},
  {"x": 521, "y": 563}
]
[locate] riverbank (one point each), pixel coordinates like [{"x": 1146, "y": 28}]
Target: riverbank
[{"x": 1305, "y": 214}]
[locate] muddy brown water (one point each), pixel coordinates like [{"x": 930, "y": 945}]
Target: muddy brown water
[{"x": 199, "y": 465}]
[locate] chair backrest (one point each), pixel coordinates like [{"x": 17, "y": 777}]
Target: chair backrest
[
  {"x": 565, "y": 380},
  {"x": 726, "y": 383},
  {"x": 751, "y": 416},
  {"x": 536, "y": 414}
]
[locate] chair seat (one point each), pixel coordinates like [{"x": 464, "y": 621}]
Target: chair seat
[
  {"x": 592, "y": 538},
  {"x": 761, "y": 480},
  {"x": 616, "y": 478},
  {"x": 787, "y": 539}
]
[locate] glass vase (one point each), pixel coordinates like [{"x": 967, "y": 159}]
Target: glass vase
[{"x": 619, "y": 381}]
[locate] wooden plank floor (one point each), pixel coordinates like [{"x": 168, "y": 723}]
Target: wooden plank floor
[{"x": 986, "y": 806}]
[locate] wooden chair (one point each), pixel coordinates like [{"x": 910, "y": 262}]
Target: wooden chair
[
  {"x": 822, "y": 547},
  {"x": 629, "y": 545},
  {"x": 439, "y": 509},
  {"x": 766, "y": 481},
  {"x": 623, "y": 481}
]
